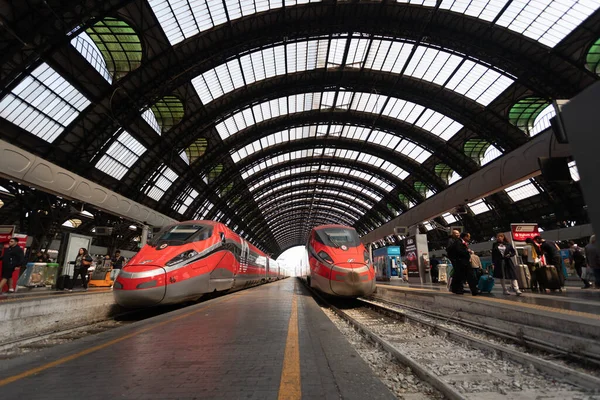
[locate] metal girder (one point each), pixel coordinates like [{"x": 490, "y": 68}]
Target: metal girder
[{"x": 339, "y": 214}]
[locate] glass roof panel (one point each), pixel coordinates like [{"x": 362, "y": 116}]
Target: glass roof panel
[
  {"x": 478, "y": 206},
  {"x": 411, "y": 113},
  {"x": 574, "y": 171},
  {"x": 546, "y": 21},
  {"x": 204, "y": 210},
  {"x": 188, "y": 198},
  {"x": 490, "y": 154},
  {"x": 522, "y": 190},
  {"x": 121, "y": 155},
  {"x": 592, "y": 59},
  {"x": 43, "y": 103},
  {"x": 162, "y": 182},
  {"x": 449, "y": 218},
  {"x": 84, "y": 44},
  {"x": 442, "y": 67},
  {"x": 150, "y": 118},
  {"x": 482, "y": 9},
  {"x": 181, "y": 19}
]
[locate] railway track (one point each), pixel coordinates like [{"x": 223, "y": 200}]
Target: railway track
[{"x": 459, "y": 365}]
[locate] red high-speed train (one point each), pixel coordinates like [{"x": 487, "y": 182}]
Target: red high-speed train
[
  {"x": 189, "y": 259},
  {"x": 339, "y": 264}
]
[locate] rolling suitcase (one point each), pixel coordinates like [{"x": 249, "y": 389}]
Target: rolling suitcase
[
  {"x": 547, "y": 278},
  {"x": 63, "y": 282},
  {"x": 523, "y": 276},
  {"x": 486, "y": 283}
]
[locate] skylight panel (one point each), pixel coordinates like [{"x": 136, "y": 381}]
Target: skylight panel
[
  {"x": 432, "y": 65},
  {"x": 478, "y": 82},
  {"x": 187, "y": 201},
  {"x": 403, "y": 110},
  {"x": 548, "y": 22},
  {"x": 120, "y": 156},
  {"x": 454, "y": 177},
  {"x": 449, "y": 218},
  {"x": 204, "y": 210},
  {"x": 490, "y": 154},
  {"x": 162, "y": 183},
  {"x": 413, "y": 151},
  {"x": 486, "y": 10},
  {"x": 357, "y": 52},
  {"x": 336, "y": 52},
  {"x": 43, "y": 103},
  {"x": 542, "y": 121},
  {"x": 478, "y": 207},
  {"x": 388, "y": 56},
  {"x": 574, "y": 171},
  {"x": 428, "y": 226},
  {"x": 522, "y": 190},
  {"x": 84, "y": 44},
  {"x": 184, "y": 157},
  {"x": 438, "y": 124},
  {"x": 368, "y": 102},
  {"x": 150, "y": 118}
]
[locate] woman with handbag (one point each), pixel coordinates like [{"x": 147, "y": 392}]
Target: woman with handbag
[
  {"x": 82, "y": 263},
  {"x": 504, "y": 267}
]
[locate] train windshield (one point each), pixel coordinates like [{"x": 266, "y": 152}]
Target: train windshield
[
  {"x": 338, "y": 237},
  {"x": 180, "y": 234}
]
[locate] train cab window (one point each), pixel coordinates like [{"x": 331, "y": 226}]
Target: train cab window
[
  {"x": 184, "y": 233},
  {"x": 337, "y": 237}
]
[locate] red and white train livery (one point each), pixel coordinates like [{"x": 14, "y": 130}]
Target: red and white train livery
[
  {"x": 189, "y": 259},
  {"x": 339, "y": 264}
]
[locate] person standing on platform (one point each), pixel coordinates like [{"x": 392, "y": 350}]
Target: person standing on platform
[
  {"x": 82, "y": 262},
  {"x": 12, "y": 258},
  {"x": 462, "y": 268},
  {"x": 504, "y": 267},
  {"x": 592, "y": 256},
  {"x": 476, "y": 266},
  {"x": 577, "y": 259},
  {"x": 117, "y": 263},
  {"x": 552, "y": 254}
]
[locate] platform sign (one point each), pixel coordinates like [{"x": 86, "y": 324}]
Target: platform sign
[{"x": 521, "y": 232}]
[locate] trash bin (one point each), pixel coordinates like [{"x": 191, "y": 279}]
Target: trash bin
[
  {"x": 33, "y": 275},
  {"x": 50, "y": 275}
]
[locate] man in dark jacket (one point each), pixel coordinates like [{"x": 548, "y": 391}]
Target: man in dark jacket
[
  {"x": 12, "y": 258},
  {"x": 552, "y": 254},
  {"x": 457, "y": 284},
  {"x": 462, "y": 269}
]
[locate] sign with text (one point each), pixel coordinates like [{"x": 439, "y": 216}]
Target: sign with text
[
  {"x": 522, "y": 231},
  {"x": 412, "y": 259}
]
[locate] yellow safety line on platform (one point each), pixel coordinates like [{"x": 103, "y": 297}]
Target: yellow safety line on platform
[
  {"x": 289, "y": 386},
  {"x": 63, "y": 360},
  {"x": 507, "y": 302}
]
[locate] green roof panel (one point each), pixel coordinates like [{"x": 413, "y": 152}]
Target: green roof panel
[{"x": 592, "y": 59}]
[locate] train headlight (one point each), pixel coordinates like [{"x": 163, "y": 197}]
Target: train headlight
[
  {"x": 186, "y": 255},
  {"x": 367, "y": 259},
  {"x": 325, "y": 257}
]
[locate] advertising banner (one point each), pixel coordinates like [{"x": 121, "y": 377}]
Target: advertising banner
[
  {"x": 522, "y": 231},
  {"x": 6, "y": 232},
  {"x": 412, "y": 259}
]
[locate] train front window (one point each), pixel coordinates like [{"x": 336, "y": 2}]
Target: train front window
[
  {"x": 179, "y": 234},
  {"x": 338, "y": 237}
]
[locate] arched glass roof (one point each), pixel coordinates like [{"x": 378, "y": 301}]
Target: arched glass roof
[
  {"x": 406, "y": 111},
  {"x": 361, "y": 134},
  {"x": 454, "y": 71},
  {"x": 545, "y": 21},
  {"x": 327, "y": 152}
]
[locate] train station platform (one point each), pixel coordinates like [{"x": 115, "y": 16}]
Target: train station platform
[
  {"x": 576, "y": 299},
  {"x": 569, "y": 322},
  {"x": 268, "y": 342}
]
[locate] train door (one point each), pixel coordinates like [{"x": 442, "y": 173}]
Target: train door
[{"x": 243, "y": 269}]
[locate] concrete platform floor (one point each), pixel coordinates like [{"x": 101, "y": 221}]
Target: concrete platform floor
[
  {"x": 268, "y": 342},
  {"x": 574, "y": 298}
]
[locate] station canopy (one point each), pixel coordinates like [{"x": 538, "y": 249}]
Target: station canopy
[{"x": 277, "y": 116}]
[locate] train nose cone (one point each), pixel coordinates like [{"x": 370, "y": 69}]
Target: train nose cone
[
  {"x": 350, "y": 279},
  {"x": 140, "y": 286}
]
